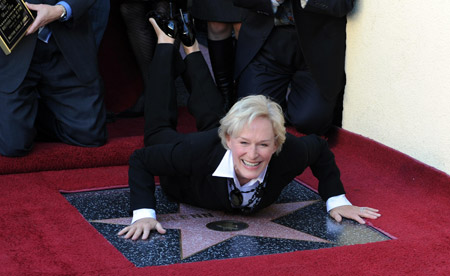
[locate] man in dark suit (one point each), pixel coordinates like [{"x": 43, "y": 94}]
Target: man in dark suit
[
  {"x": 239, "y": 163},
  {"x": 296, "y": 46},
  {"x": 50, "y": 83}
]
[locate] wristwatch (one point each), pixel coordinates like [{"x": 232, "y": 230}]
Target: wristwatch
[{"x": 64, "y": 14}]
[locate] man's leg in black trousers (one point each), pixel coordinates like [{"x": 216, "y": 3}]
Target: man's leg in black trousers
[
  {"x": 160, "y": 110},
  {"x": 205, "y": 102},
  {"x": 270, "y": 71},
  {"x": 307, "y": 110}
]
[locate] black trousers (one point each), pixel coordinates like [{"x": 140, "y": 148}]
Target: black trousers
[
  {"x": 280, "y": 72},
  {"x": 205, "y": 102},
  {"x": 52, "y": 102}
]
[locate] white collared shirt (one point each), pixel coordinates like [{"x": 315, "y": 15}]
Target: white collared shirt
[{"x": 226, "y": 169}]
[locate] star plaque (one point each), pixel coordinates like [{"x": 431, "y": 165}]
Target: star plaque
[{"x": 297, "y": 221}]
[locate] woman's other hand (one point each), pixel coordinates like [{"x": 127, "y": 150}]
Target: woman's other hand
[{"x": 354, "y": 212}]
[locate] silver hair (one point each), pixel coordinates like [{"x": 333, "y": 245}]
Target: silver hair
[{"x": 246, "y": 110}]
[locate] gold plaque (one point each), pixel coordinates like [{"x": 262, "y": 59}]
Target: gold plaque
[{"x": 15, "y": 18}]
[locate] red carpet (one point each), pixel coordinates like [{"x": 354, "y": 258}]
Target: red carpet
[
  {"x": 125, "y": 135},
  {"x": 43, "y": 233}
]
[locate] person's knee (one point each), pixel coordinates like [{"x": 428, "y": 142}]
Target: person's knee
[
  {"x": 14, "y": 152},
  {"x": 85, "y": 137},
  {"x": 311, "y": 123},
  {"x": 15, "y": 147},
  {"x": 95, "y": 139}
]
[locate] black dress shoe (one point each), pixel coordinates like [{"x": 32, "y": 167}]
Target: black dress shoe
[
  {"x": 187, "y": 32},
  {"x": 166, "y": 21}
]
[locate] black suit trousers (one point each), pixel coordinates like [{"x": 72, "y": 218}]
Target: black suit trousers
[
  {"x": 205, "y": 102},
  {"x": 52, "y": 102}
]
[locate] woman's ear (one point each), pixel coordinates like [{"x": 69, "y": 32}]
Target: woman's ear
[{"x": 228, "y": 140}]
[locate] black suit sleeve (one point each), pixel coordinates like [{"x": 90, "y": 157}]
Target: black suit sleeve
[
  {"x": 324, "y": 168},
  {"x": 313, "y": 151},
  {"x": 190, "y": 156},
  {"x": 145, "y": 164},
  {"x": 79, "y": 8}
]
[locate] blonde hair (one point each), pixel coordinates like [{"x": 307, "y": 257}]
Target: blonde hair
[{"x": 245, "y": 111}]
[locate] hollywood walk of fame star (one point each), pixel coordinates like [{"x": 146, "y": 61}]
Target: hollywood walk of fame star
[{"x": 196, "y": 236}]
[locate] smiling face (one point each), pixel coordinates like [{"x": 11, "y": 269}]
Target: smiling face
[{"x": 252, "y": 149}]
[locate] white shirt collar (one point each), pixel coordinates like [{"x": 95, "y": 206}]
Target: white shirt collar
[{"x": 226, "y": 169}]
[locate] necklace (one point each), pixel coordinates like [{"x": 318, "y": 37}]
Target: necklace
[{"x": 237, "y": 198}]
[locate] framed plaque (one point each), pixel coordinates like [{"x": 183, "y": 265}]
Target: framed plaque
[{"x": 15, "y": 18}]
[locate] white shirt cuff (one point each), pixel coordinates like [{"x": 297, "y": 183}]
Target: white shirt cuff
[
  {"x": 336, "y": 201},
  {"x": 143, "y": 213}
]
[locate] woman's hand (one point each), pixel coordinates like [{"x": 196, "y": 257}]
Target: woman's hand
[
  {"x": 354, "y": 213},
  {"x": 141, "y": 227}
]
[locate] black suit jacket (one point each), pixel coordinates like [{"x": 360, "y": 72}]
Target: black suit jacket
[
  {"x": 185, "y": 170},
  {"x": 74, "y": 38},
  {"x": 321, "y": 29}
]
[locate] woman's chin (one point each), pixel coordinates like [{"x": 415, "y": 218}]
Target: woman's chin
[{"x": 249, "y": 174}]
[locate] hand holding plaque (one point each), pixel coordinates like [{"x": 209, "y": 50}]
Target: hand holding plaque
[{"x": 15, "y": 18}]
